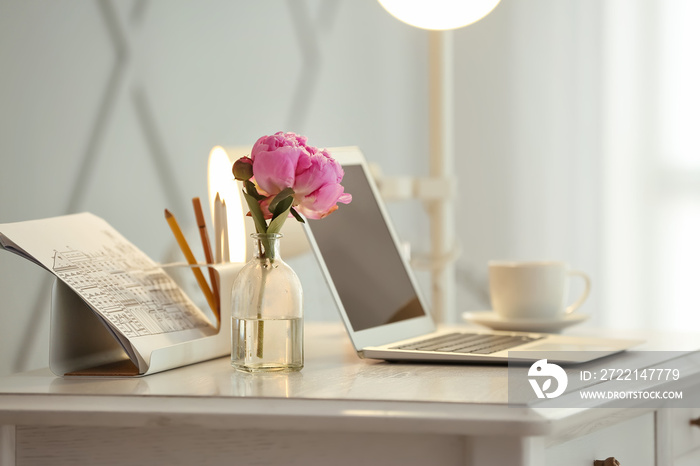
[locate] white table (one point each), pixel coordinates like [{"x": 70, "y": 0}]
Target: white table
[{"x": 339, "y": 410}]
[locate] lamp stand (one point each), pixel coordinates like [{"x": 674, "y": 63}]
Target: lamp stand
[{"x": 441, "y": 211}]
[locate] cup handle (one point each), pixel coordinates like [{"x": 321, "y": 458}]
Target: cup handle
[{"x": 584, "y": 295}]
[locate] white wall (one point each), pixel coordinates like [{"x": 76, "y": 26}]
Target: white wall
[
  {"x": 528, "y": 146},
  {"x": 652, "y": 152}
]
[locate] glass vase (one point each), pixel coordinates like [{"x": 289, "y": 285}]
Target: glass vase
[{"x": 267, "y": 327}]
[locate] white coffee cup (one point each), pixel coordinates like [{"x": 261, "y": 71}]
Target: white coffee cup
[{"x": 533, "y": 290}]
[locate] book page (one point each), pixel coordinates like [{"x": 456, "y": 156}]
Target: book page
[{"x": 140, "y": 303}]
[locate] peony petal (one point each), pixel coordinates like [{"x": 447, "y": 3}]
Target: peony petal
[
  {"x": 322, "y": 201},
  {"x": 274, "y": 170},
  {"x": 265, "y": 207},
  {"x": 317, "y": 215},
  {"x": 322, "y": 170},
  {"x": 308, "y": 213}
]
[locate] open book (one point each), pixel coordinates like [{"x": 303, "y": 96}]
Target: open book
[{"x": 114, "y": 311}]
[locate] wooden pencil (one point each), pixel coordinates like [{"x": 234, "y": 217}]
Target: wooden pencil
[
  {"x": 206, "y": 245},
  {"x": 185, "y": 248}
]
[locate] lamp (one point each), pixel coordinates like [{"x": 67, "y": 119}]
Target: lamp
[
  {"x": 439, "y": 16},
  {"x": 227, "y": 213}
]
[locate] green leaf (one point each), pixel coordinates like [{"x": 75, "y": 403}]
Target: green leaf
[
  {"x": 256, "y": 213},
  {"x": 282, "y": 206},
  {"x": 286, "y": 192},
  {"x": 253, "y": 191},
  {"x": 278, "y": 221},
  {"x": 297, "y": 216}
]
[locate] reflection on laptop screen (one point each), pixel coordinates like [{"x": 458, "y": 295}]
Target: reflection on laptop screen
[{"x": 363, "y": 261}]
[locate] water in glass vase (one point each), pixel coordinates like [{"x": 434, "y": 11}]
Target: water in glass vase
[{"x": 267, "y": 345}]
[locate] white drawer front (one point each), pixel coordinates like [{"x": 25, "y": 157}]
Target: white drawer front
[
  {"x": 690, "y": 459},
  {"x": 631, "y": 442},
  {"x": 684, "y": 436}
]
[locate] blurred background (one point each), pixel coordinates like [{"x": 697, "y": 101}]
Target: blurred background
[{"x": 576, "y": 133}]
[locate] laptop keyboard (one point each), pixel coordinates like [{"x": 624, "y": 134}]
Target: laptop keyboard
[{"x": 473, "y": 343}]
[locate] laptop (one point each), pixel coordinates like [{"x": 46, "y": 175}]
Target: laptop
[{"x": 380, "y": 302}]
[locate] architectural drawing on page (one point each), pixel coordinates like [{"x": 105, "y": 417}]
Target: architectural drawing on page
[{"x": 137, "y": 298}]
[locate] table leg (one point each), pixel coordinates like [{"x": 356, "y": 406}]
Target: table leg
[{"x": 7, "y": 445}]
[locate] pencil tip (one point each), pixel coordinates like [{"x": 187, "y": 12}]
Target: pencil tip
[{"x": 167, "y": 213}]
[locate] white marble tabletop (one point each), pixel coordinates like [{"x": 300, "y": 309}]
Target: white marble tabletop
[{"x": 336, "y": 389}]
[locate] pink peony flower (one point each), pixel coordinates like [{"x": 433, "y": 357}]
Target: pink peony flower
[
  {"x": 284, "y": 160},
  {"x": 317, "y": 188},
  {"x": 275, "y": 160}
]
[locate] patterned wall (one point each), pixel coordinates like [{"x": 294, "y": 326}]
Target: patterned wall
[{"x": 112, "y": 106}]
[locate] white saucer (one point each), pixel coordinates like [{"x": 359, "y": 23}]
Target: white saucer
[{"x": 492, "y": 320}]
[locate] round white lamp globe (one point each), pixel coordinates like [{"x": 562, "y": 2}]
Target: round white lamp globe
[{"x": 439, "y": 14}]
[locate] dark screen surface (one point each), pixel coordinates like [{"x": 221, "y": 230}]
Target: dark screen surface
[{"x": 363, "y": 260}]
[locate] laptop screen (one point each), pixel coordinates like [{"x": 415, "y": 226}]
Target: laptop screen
[{"x": 363, "y": 261}]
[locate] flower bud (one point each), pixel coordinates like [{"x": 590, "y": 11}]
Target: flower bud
[{"x": 243, "y": 169}]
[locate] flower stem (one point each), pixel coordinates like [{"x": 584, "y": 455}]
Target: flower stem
[{"x": 264, "y": 253}]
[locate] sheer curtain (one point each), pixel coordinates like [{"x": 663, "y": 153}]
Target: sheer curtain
[{"x": 651, "y": 164}]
